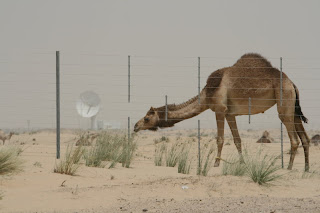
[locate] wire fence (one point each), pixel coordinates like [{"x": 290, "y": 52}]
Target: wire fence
[{"x": 129, "y": 85}]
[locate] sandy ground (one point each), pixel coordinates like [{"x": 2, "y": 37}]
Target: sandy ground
[{"x": 148, "y": 188}]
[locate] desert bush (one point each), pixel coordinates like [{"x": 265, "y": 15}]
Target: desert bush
[
  {"x": 193, "y": 134},
  {"x": 10, "y": 161},
  {"x": 184, "y": 162},
  {"x": 162, "y": 139},
  {"x": 160, "y": 150},
  {"x": 112, "y": 148},
  {"x": 70, "y": 163},
  {"x": 172, "y": 155},
  {"x": 262, "y": 168},
  {"x": 206, "y": 159},
  {"x": 127, "y": 153},
  {"x": 233, "y": 166}
]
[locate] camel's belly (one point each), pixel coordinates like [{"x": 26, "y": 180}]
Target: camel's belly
[{"x": 252, "y": 102}]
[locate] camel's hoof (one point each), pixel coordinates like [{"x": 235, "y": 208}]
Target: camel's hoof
[
  {"x": 216, "y": 164},
  {"x": 289, "y": 167}
]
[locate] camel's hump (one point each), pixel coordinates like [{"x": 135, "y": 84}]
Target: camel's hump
[{"x": 252, "y": 60}]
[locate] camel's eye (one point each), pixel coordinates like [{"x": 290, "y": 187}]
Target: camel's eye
[{"x": 146, "y": 120}]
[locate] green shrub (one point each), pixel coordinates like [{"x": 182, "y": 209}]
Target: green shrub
[
  {"x": 233, "y": 166},
  {"x": 262, "y": 168},
  {"x": 206, "y": 159},
  {"x": 112, "y": 148},
  {"x": 162, "y": 139},
  {"x": 160, "y": 150},
  {"x": 184, "y": 162},
  {"x": 172, "y": 155},
  {"x": 70, "y": 163},
  {"x": 10, "y": 161}
]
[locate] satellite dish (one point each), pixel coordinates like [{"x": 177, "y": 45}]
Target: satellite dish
[{"x": 88, "y": 106}]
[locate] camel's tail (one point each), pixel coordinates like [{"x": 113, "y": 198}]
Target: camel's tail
[{"x": 298, "y": 111}]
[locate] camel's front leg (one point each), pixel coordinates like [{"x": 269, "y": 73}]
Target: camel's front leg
[
  {"x": 220, "y": 138},
  {"x": 231, "y": 119}
]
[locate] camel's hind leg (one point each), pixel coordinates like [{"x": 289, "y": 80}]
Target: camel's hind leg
[
  {"x": 286, "y": 115},
  {"x": 304, "y": 139},
  {"x": 286, "y": 112}
]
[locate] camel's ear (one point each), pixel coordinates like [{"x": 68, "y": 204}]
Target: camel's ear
[{"x": 151, "y": 110}]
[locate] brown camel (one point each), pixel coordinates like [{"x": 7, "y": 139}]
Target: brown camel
[
  {"x": 5, "y": 137},
  {"x": 265, "y": 138},
  {"x": 315, "y": 140},
  {"x": 227, "y": 93}
]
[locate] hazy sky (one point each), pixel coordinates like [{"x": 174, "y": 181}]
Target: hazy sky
[{"x": 164, "y": 39}]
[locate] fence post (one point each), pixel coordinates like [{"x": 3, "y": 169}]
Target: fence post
[
  {"x": 199, "y": 80},
  {"x": 249, "y": 103},
  {"x": 199, "y": 157},
  {"x": 128, "y": 78},
  {"x": 166, "y": 108},
  {"x": 128, "y": 129},
  {"x": 58, "y": 101},
  {"x": 281, "y": 125}
]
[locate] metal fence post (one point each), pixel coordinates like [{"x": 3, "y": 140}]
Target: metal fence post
[
  {"x": 129, "y": 78},
  {"x": 199, "y": 80},
  {"x": 199, "y": 157},
  {"x": 128, "y": 129},
  {"x": 249, "y": 103},
  {"x": 58, "y": 101},
  {"x": 281, "y": 125},
  {"x": 166, "y": 108}
]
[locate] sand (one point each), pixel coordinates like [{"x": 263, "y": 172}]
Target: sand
[{"x": 148, "y": 188}]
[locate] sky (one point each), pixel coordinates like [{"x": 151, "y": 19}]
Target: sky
[{"x": 164, "y": 39}]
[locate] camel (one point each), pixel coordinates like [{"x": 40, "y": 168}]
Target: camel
[
  {"x": 265, "y": 138},
  {"x": 228, "y": 92},
  {"x": 315, "y": 139},
  {"x": 5, "y": 137}
]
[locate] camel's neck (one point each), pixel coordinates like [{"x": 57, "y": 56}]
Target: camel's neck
[{"x": 177, "y": 113}]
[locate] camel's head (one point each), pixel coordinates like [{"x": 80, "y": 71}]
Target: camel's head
[{"x": 150, "y": 121}]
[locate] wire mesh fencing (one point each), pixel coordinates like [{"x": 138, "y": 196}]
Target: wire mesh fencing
[{"x": 128, "y": 85}]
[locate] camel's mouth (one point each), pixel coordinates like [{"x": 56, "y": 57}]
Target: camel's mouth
[{"x": 136, "y": 128}]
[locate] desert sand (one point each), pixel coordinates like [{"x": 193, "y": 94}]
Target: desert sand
[{"x": 148, "y": 188}]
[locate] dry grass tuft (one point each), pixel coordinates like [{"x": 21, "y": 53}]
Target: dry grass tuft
[
  {"x": 160, "y": 150},
  {"x": 111, "y": 148},
  {"x": 70, "y": 163},
  {"x": 10, "y": 162},
  {"x": 184, "y": 162},
  {"x": 207, "y": 157},
  {"x": 262, "y": 168}
]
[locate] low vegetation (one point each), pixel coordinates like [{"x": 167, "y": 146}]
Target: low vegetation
[
  {"x": 261, "y": 168},
  {"x": 172, "y": 155},
  {"x": 184, "y": 162},
  {"x": 160, "y": 151},
  {"x": 233, "y": 166},
  {"x": 10, "y": 161},
  {"x": 69, "y": 165},
  {"x": 162, "y": 139},
  {"x": 206, "y": 158},
  {"x": 113, "y": 148}
]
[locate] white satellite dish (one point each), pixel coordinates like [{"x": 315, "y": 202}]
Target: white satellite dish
[{"x": 88, "y": 106}]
